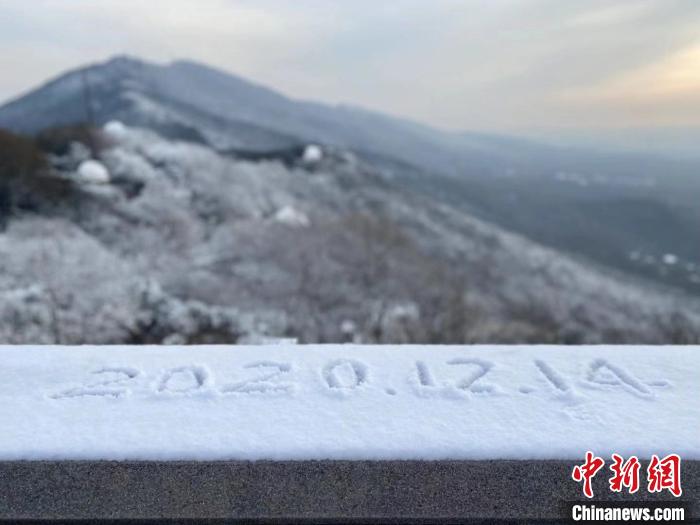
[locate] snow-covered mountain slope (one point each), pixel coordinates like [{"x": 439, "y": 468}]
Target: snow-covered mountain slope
[
  {"x": 230, "y": 112},
  {"x": 348, "y": 402},
  {"x": 624, "y": 211},
  {"x": 174, "y": 242}
]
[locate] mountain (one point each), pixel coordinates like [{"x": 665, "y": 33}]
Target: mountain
[
  {"x": 215, "y": 210},
  {"x": 169, "y": 241},
  {"x": 230, "y": 112},
  {"x": 627, "y": 211}
]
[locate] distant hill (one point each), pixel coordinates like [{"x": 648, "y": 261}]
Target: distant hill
[{"x": 628, "y": 211}]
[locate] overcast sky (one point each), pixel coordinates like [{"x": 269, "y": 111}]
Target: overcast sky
[{"x": 506, "y": 65}]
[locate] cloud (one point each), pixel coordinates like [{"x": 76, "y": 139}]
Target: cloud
[
  {"x": 498, "y": 64},
  {"x": 612, "y": 14},
  {"x": 665, "y": 92},
  {"x": 673, "y": 75}
]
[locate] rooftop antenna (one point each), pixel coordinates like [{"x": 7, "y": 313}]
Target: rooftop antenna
[
  {"x": 89, "y": 111},
  {"x": 87, "y": 98}
]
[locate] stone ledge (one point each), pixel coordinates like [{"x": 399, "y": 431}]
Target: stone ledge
[{"x": 302, "y": 491}]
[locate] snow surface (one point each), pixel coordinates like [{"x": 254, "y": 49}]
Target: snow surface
[
  {"x": 292, "y": 217},
  {"x": 347, "y": 401}
]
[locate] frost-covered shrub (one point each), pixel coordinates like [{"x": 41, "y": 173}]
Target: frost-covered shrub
[
  {"x": 164, "y": 318},
  {"x": 184, "y": 245},
  {"x": 80, "y": 292},
  {"x": 22, "y": 166},
  {"x": 59, "y": 140}
]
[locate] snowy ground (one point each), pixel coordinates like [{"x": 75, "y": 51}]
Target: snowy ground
[{"x": 349, "y": 402}]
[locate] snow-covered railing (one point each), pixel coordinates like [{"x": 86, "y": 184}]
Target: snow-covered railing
[
  {"x": 275, "y": 431},
  {"x": 347, "y": 402}
]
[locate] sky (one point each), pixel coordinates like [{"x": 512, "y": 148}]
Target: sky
[{"x": 491, "y": 65}]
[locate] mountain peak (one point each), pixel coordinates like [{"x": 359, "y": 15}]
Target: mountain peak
[
  {"x": 124, "y": 61},
  {"x": 123, "y": 65}
]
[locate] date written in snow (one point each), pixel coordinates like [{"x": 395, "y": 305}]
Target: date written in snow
[{"x": 467, "y": 375}]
